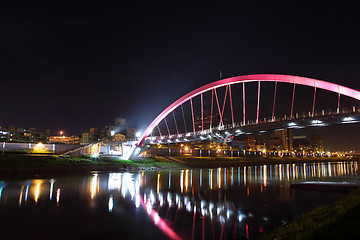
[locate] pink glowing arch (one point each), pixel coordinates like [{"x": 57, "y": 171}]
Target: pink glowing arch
[{"x": 250, "y": 78}]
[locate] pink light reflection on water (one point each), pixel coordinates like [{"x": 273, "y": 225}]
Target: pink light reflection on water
[{"x": 159, "y": 222}]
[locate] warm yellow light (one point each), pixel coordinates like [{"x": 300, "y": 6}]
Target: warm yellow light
[
  {"x": 39, "y": 147},
  {"x": 186, "y": 148}
]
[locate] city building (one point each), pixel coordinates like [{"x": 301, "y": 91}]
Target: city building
[
  {"x": 90, "y": 137},
  {"x": 65, "y": 140},
  {"x": 23, "y": 135},
  {"x": 300, "y": 143},
  {"x": 250, "y": 143},
  {"x": 281, "y": 140},
  {"x": 316, "y": 143}
]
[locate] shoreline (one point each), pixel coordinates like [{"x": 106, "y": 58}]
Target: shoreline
[{"x": 16, "y": 165}]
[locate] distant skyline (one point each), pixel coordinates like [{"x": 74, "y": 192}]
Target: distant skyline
[{"x": 75, "y": 68}]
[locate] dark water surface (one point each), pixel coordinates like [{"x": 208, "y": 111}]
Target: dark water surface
[{"x": 221, "y": 203}]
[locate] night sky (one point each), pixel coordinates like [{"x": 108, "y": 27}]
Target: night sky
[{"x": 73, "y": 69}]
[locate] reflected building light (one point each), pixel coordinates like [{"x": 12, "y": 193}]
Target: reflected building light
[
  {"x": 186, "y": 180},
  {"x": 169, "y": 179},
  {"x": 137, "y": 200},
  {"x": 280, "y": 172},
  {"x": 114, "y": 181},
  {"x": 156, "y": 218},
  {"x": 158, "y": 183},
  {"x": 58, "y": 196},
  {"x": 111, "y": 203},
  {"x": 137, "y": 191},
  {"x": 225, "y": 177},
  {"x": 288, "y": 171},
  {"x": 26, "y": 193},
  {"x": 169, "y": 200},
  {"x": 93, "y": 185},
  {"x": 177, "y": 199},
  {"x": 265, "y": 177},
  {"x": 228, "y": 213},
  {"x": 304, "y": 170},
  {"x": 37, "y": 192},
  {"x": 211, "y": 208},
  {"x": 211, "y": 179},
  {"x": 232, "y": 176},
  {"x": 249, "y": 169},
  {"x": 1, "y": 188},
  {"x": 218, "y": 210},
  {"x": 21, "y": 195},
  {"x": 244, "y": 176},
  {"x": 293, "y": 171},
  {"x": 191, "y": 178},
  {"x": 152, "y": 198},
  {"x": 200, "y": 177},
  {"x": 182, "y": 181},
  {"x": 219, "y": 177},
  {"x": 188, "y": 206},
  {"x": 148, "y": 207},
  {"x": 127, "y": 185},
  {"x": 161, "y": 199},
  {"x": 238, "y": 176},
  {"x": 52, "y": 181},
  {"x": 255, "y": 174},
  {"x": 202, "y": 207}
]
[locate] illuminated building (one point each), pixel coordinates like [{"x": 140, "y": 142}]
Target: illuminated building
[
  {"x": 250, "y": 143},
  {"x": 316, "y": 143},
  {"x": 23, "y": 135},
  {"x": 65, "y": 140},
  {"x": 300, "y": 143},
  {"x": 281, "y": 140},
  {"x": 90, "y": 137}
]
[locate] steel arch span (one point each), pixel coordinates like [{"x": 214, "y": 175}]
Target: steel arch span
[{"x": 332, "y": 87}]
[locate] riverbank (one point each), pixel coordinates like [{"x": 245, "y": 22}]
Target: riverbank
[
  {"x": 20, "y": 164},
  {"x": 339, "y": 220},
  {"x": 15, "y": 164},
  {"x": 212, "y": 162}
]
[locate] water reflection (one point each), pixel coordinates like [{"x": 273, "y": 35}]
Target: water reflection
[{"x": 191, "y": 203}]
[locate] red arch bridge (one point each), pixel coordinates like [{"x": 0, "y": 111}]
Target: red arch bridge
[{"x": 250, "y": 104}]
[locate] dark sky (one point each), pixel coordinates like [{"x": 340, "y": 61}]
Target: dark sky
[{"x": 71, "y": 69}]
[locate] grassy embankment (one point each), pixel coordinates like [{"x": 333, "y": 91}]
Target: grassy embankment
[
  {"x": 339, "y": 220},
  {"x": 212, "y": 162},
  {"x": 37, "y": 164}
]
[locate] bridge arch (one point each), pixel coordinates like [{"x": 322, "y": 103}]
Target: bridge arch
[{"x": 332, "y": 87}]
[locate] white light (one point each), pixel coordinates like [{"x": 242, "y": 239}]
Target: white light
[
  {"x": 292, "y": 124},
  {"x": 112, "y": 133},
  {"x": 240, "y": 217},
  {"x": 138, "y": 134},
  {"x": 316, "y": 122},
  {"x": 148, "y": 207},
  {"x": 156, "y": 218},
  {"x": 111, "y": 203},
  {"x": 348, "y": 119}
]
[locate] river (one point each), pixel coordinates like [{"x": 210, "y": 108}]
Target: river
[{"x": 221, "y": 203}]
